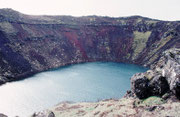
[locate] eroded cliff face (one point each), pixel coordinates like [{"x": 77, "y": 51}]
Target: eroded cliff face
[{"x": 30, "y": 44}]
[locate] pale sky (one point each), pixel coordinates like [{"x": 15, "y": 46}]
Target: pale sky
[{"x": 158, "y": 9}]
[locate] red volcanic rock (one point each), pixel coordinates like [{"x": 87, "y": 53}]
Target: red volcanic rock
[{"x": 30, "y": 44}]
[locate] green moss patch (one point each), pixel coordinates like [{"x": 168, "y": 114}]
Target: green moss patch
[
  {"x": 140, "y": 39},
  {"x": 7, "y": 27},
  {"x": 153, "y": 100}
]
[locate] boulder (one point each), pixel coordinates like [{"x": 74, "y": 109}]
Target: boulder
[
  {"x": 40, "y": 114},
  {"x": 51, "y": 114},
  {"x": 139, "y": 85},
  {"x": 158, "y": 86}
]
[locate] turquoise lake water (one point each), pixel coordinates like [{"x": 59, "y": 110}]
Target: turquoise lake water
[{"x": 82, "y": 82}]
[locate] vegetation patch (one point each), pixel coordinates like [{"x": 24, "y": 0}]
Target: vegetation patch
[
  {"x": 153, "y": 100},
  {"x": 140, "y": 39},
  {"x": 7, "y": 27},
  {"x": 150, "y": 101}
]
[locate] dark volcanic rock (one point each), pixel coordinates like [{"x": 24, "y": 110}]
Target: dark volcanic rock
[
  {"x": 40, "y": 114},
  {"x": 158, "y": 85},
  {"x": 139, "y": 85},
  {"x": 30, "y": 44},
  {"x": 163, "y": 77},
  {"x": 51, "y": 114}
]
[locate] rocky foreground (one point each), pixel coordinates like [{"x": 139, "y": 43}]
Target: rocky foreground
[
  {"x": 155, "y": 93},
  {"x": 125, "y": 107}
]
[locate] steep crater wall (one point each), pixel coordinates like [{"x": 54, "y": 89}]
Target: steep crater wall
[{"x": 30, "y": 44}]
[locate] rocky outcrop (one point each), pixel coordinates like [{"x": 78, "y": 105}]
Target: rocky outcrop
[
  {"x": 164, "y": 77},
  {"x": 31, "y": 44}
]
